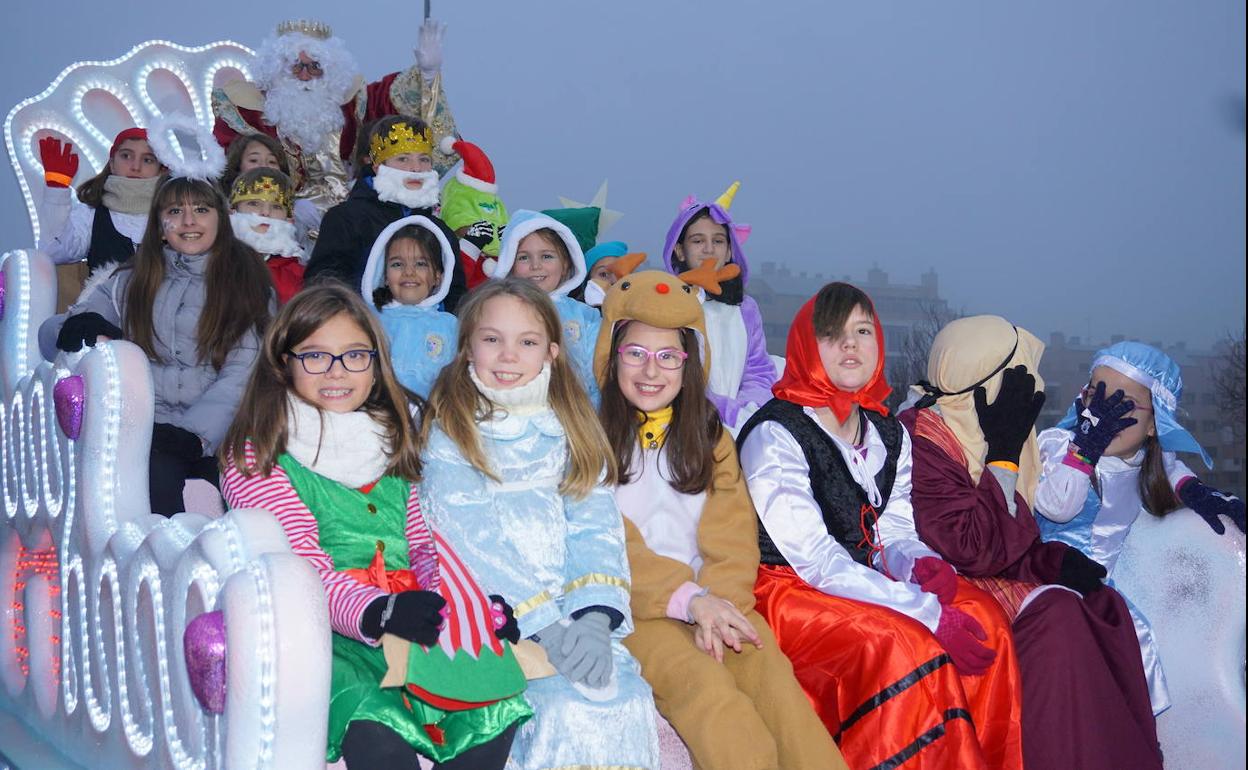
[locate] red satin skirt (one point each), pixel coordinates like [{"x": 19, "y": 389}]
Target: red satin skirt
[{"x": 886, "y": 689}]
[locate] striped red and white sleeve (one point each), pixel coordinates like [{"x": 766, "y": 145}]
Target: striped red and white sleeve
[{"x": 274, "y": 493}]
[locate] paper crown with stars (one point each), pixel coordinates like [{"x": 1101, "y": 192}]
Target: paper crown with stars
[
  {"x": 262, "y": 185},
  {"x": 400, "y": 139}
]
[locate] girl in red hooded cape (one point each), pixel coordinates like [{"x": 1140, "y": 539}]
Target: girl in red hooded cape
[{"x": 904, "y": 661}]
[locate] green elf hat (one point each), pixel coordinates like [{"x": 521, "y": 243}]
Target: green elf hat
[{"x": 583, "y": 223}]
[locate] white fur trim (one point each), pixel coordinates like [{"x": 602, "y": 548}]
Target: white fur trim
[
  {"x": 529, "y": 222},
  {"x": 468, "y": 247},
  {"x": 206, "y": 165},
  {"x": 447, "y": 145},
  {"x": 489, "y": 265},
  {"x": 98, "y": 278},
  {"x": 474, "y": 183},
  {"x": 375, "y": 272}
]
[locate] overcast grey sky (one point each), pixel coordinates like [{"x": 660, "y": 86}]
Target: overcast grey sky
[{"x": 1074, "y": 166}]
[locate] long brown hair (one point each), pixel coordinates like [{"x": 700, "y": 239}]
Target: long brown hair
[
  {"x": 692, "y": 435},
  {"x": 262, "y": 416},
  {"x": 457, "y": 405},
  {"x": 237, "y": 286},
  {"x": 1155, "y": 491}
]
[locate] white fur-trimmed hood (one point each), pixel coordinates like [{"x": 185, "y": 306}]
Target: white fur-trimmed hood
[
  {"x": 375, "y": 271},
  {"x": 523, "y": 223}
]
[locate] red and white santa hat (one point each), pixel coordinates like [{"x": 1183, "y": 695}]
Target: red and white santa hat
[{"x": 477, "y": 171}]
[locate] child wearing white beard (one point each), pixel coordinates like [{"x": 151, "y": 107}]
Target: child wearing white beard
[
  {"x": 395, "y": 180},
  {"x": 262, "y": 215}
]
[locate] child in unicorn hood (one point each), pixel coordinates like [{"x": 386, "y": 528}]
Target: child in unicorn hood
[
  {"x": 545, "y": 251},
  {"x": 742, "y": 372},
  {"x": 407, "y": 277}
]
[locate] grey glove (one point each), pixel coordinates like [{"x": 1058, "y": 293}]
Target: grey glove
[
  {"x": 586, "y": 648},
  {"x": 551, "y": 640}
]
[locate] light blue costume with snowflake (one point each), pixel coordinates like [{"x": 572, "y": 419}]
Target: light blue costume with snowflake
[
  {"x": 1096, "y": 517},
  {"x": 549, "y": 555},
  {"x": 422, "y": 337},
  {"x": 580, "y": 321}
]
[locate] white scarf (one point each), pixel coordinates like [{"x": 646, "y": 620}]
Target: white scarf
[
  {"x": 350, "y": 448},
  {"x": 522, "y": 400},
  {"x": 390, "y": 187},
  {"x": 278, "y": 239}
]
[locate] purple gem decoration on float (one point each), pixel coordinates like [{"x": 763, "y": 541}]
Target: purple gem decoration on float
[
  {"x": 69, "y": 396},
  {"x": 204, "y": 644}
]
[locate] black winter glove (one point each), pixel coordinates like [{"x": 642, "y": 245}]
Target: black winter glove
[
  {"x": 413, "y": 615},
  {"x": 479, "y": 234},
  {"x": 1098, "y": 421},
  {"x": 82, "y": 329},
  {"x": 510, "y": 630},
  {"x": 1080, "y": 573},
  {"x": 1208, "y": 503},
  {"x": 176, "y": 442},
  {"x": 1008, "y": 420}
]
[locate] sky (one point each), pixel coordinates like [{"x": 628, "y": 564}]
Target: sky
[{"x": 1073, "y": 166}]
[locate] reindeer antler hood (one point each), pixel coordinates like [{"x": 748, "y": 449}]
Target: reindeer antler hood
[{"x": 652, "y": 297}]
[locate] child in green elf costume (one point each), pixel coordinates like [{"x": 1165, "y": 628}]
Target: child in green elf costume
[{"x": 338, "y": 467}]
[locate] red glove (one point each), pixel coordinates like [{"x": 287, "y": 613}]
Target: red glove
[
  {"x": 59, "y": 162},
  {"x": 935, "y": 576},
  {"x": 957, "y": 633}
]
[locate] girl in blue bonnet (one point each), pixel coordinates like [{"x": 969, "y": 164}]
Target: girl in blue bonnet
[
  {"x": 1113, "y": 456},
  {"x": 407, "y": 279}
]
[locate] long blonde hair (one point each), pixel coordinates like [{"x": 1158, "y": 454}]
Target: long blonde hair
[{"x": 457, "y": 405}]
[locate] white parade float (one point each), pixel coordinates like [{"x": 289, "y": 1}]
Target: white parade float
[{"x": 129, "y": 640}]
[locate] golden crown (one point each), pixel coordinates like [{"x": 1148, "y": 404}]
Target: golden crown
[
  {"x": 400, "y": 139},
  {"x": 264, "y": 188},
  {"x": 317, "y": 29}
]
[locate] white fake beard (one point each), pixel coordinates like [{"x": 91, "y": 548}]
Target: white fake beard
[
  {"x": 390, "y": 187},
  {"x": 279, "y": 239},
  {"x": 307, "y": 112}
]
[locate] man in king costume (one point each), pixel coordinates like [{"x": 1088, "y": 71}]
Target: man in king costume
[{"x": 309, "y": 94}]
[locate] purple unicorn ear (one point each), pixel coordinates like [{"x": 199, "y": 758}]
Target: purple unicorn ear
[
  {"x": 742, "y": 232},
  {"x": 688, "y": 202}
]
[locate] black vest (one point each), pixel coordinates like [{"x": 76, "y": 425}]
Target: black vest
[
  {"x": 107, "y": 245},
  {"x": 839, "y": 496}
]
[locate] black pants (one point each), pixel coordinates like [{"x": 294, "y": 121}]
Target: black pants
[
  {"x": 166, "y": 475},
  {"x": 369, "y": 745}
]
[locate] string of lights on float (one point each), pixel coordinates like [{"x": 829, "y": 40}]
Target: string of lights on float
[{"x": 135, "y": 98}]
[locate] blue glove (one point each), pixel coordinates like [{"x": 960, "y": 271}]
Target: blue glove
[
  {"x": 1099, "y": 421},
  {"x": 586, "y": 650},
  {"x": 1208, "y": 503}
]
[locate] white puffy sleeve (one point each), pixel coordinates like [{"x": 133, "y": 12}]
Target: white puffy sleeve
[
  {"x": 1062, "y": 489},
  {"x": 779, "y": 482}
]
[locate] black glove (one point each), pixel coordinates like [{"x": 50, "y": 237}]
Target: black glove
[
  {"x": 176, "y": 442},
  {"x": 510, "y": 630},
  {"x": 1099, "y": 421},
  {"x": 1208, "y": 503},
  {"x": 1080, "y": 573},
  {"x": 479, "y": 234},
  {"x": 82, "y": 329},
  {"x": 1007, "y": 421},
  {"x": 413, "y": 615}
]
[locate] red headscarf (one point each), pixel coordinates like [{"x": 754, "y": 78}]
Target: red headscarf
[
  {"x": 806, "y": 383},
  {"x": 129, "y": 133}
]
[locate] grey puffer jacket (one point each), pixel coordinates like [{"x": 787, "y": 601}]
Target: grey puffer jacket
[{"x": 189, "y": 394}]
